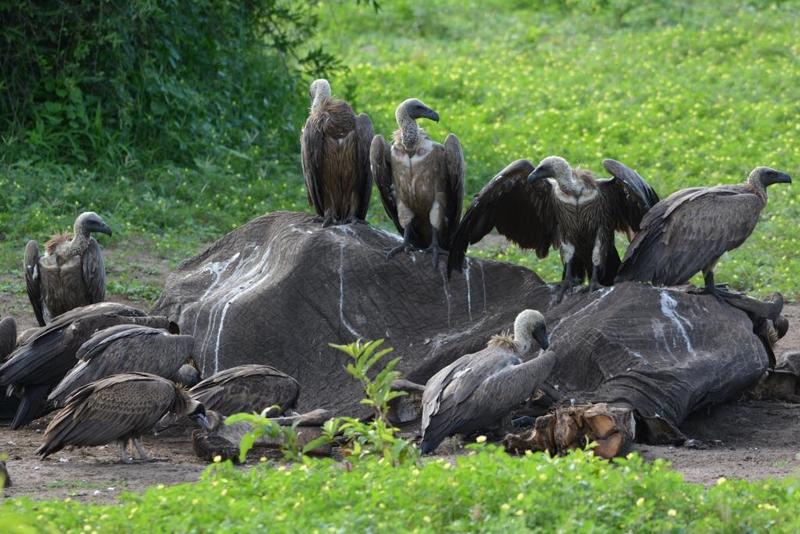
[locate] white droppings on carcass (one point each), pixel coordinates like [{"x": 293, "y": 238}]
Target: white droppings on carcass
[
  {"x": 469, "y": 289},
  {"x": 342, "y": 319},
  {"x": 669, "y": 308},
  {"x": 483, "y": 286},
  {"x": 446, "y": 287},
  {"x": 248, "y": 273},
  {"x": 604, "y": 292},
  {"x": 395, "y": 237}
]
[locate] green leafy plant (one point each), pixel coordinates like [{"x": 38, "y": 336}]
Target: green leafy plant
[
  {"x": 376, "y": 437},
  {"x": 261, "y": 425}
]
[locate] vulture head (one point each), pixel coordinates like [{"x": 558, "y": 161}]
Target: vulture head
[
  {"x": 186, "y": 405},
  {"x": 319, "y": 89},
  {"x": 530, "y": 326},
  {"x": 552, "y": 167},
  {"x": 89, "y": 222},
  {"x": 414, "y": 109},
  {"x": 764, "y": 176}
]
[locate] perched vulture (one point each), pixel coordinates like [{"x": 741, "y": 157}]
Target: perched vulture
[
  {"x": 478, "y": 390},
  {"x": 334, "y": 147},
  {"x": 71, "y": 272},
  {"x": 43, "y": 360},
  {"x": 554, "y": 205},
  {"x": 125, "y": 348},
  {"x": 691, "y": 229},
  {"x": 421, "y": 182},
  {"x": 118, "y": 408},
  {"x": 247, "y": 388}
]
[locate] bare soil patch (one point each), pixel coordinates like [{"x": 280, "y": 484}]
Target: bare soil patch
[{"x": 748, "y": 439}]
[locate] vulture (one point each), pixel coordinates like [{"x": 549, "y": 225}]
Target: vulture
[
  {"x": 247, "y": 388},
  {"x": 71, "y": 272},
  {"x": 478, "y": 390},
  {"x": 421, "y": 182},
  {"x": 554, "y": 205},
  {"x": 334, "y": 147},
  {"x": 43, "y": 360},
  {"x": 118, "y": 408},
  {"x": 123, "y": 349},
  {"x": 691, "y": 229}
]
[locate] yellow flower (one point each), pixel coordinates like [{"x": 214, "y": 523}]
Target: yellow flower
[
  {"x": 672, "y": 512},
  {"x": 640, "y": 501},
  {"x": 721, "y": 480},
  {"x": 520, "y": 496},
  {"x": 217, "y": 459},
  {"x": 480, "y": 439}
]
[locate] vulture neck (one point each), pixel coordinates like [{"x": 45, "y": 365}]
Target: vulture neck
[
  {"x": 574, "y": 188},
  {"x": 321, "y": 95},
  {"x": 410, "y": 132},
  {"x": 759, "y": 189},
  {"x": 80, "y": 240}
]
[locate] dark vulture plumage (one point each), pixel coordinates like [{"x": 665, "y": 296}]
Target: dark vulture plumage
[
  {"x": 691, "y": 229},
  {"x": 71, "y": 272},
  {"x": 421, "y": 182},
  {"x": 8, "y": 336},
  {"x": 478, "y": 390},
  {"x": 247, "y": 388},
  {"x": 188, "y": 375},
  {"x": 124, "y": 348},
  {"x": 554, "y": 205},
  {"x": 5, "y": 480},
  {"x": 118, "y": 408},
  {"x": 335, "y": 157},
  {"x": 39, "y": 364}
]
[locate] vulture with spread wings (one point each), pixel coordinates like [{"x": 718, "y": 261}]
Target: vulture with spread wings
[
  {"x": 421, "y": 182},
  {"x": 554, "y": 205}
]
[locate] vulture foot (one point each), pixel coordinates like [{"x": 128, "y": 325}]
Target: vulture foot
[
  {"x": 563, "y": 288},
  {"x": 435, "y": 251},
  {"x": 396, "y": 250}
]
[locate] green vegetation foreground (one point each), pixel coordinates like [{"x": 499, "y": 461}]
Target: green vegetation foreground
[{"x": 486, "y": 491}]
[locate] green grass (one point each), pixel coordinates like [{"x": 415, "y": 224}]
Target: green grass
[
  {"x": 688, "y": 94},
  {"x": 487, "y": 491}
]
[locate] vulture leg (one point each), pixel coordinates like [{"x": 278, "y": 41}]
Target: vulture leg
[
  {"x": 434, "y": 249},
  {"x": 566, "y": 283},
  {"x": 594, "y": 284},
  {"x": 405, "y": 246},
  {"x": 140, "y": 449},
  {"x": 123, "y": 452}
]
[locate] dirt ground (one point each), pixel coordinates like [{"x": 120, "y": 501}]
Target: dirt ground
[{"x": 749, "y": 439}]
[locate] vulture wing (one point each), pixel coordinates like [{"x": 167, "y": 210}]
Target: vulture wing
[
  {"x": 32, "y": 280},
  {"x": 688, "y": 232},
  {"x": 628, "y": 196},
  {"x": 522, "y": 212},
  {"x": 454, "y": 158},
  {"x": 364, "y": 135},
  {"x": 312, "y": 141},
  {"x": 94, "y": 272},
  {"x": 109, "y": 409},
  {"x": 380, "y": 157}
]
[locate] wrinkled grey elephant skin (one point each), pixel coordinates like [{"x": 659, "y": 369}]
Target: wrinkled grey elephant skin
[
  {"x": 661, "y": 351},
  {"x": 277, "y": 290}
]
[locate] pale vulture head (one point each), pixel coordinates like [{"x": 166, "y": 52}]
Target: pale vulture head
[
  {"x": 88, "y": 222},
  {"x": 765, "y": 176},
  {"x": 552, "y": 167},
  {"x": 530, "y": 326},
  {"x": 414, "y": 109},
  {"x": 319, "y": 89}
]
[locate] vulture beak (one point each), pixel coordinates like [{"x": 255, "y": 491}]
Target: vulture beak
[
  {"x": 430, "y": 114},
  {"x": 201, "y": 419},
  {"x": 537, "y": 174},
  {"x": 104, "y": 229},
  {"x": 541, "y": 337},
  {"x": 780, "y": 178}
]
